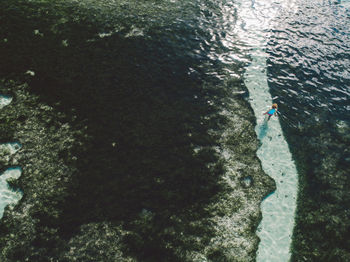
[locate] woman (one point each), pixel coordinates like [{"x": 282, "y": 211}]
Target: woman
[{"x": 272, "y": 111}]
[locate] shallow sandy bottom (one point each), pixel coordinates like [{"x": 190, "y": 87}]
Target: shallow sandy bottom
[{"x": 278, "y": 209}]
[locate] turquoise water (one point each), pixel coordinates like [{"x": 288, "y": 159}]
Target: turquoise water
[
  {"x": 7, "y": 195},
  {"x": 4, "y": 101},
  {"x": 278, "y": 209},
  {"x": 154, "y": 84}
]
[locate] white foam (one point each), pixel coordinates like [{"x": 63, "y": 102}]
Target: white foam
[{"x": 4, "y": 101}]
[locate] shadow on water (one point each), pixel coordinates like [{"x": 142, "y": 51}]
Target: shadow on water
[
  {"x": 263, "y": 129},
  {"x": 144, "y": 111}
]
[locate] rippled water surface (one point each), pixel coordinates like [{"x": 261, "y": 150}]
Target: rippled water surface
[
  {"x": 156, "y": 84},
  {"x": 308, "y": 70},
  {"x": 311, "y": 54}
]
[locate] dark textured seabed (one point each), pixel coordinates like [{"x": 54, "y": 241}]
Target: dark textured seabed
[{"x": 122, "y": 111}]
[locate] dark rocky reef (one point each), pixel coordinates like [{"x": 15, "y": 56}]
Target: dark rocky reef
[
  {"x": 323, "y": 221},
  {"x": 127, "y": 152}
]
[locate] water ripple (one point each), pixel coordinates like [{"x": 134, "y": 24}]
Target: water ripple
[{"x": 319, "y": 59}]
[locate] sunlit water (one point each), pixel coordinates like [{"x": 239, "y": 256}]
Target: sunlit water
[
  {"x": 278, "y": 209},
  {"x": 300, "y": 54},
  {"x": 309, "y": 74}
]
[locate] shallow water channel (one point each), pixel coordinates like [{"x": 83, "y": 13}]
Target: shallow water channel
[{"x": 278, "y": 209}]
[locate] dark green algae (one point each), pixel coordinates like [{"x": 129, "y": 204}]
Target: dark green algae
[
  {"x": 121, "y": 146},
  {"x": 54, "y": 222},
  {"x": 322, "y": 219}
]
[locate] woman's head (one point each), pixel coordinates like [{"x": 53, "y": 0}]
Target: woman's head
[{"x": 274, "y": 105}]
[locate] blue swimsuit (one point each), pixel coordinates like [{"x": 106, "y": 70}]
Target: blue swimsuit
[{"x": 271, "y": 111}]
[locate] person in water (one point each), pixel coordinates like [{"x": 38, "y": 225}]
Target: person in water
[{"x": 272, "y": 111}]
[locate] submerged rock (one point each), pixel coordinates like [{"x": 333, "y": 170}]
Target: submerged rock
[
  {"x": 246, "y": 181},
  {"x": 221, "y": 229}
]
